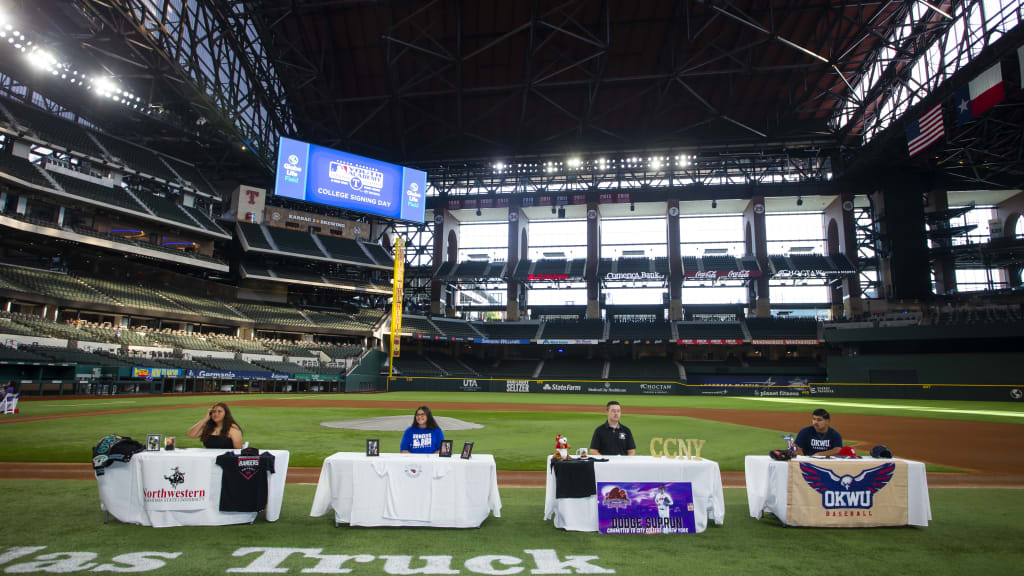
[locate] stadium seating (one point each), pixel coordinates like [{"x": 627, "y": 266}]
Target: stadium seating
[
  {"x": 60, "y": 132},
  {"x": 291, "y": 350},
  {"x": 340, "y": 320},
  {"x": 270, "y": 314},
  {"x": 379, "y": 254},
  {"x": 136, "y": 158},
  {"x": 204, "y": 220},
  {"x": 579, "y": 330},
  {"x": 74, "y": 356},
  {"x": 200, "y": 305},
  {"x": 452, "y": 366},
  {"x": 54, "y": 285},
  {"x": 655, "y": 330},
  {"x": 341, "y": 352},
  {"x": 709, "y": 331},
  {"x": 230, "y": 365},
  {"x": 777, "y": 328},
  {"x": 719, "y": 263},
  {"x": 508, "y": 330},
  {"x": 253, "y": 234},
  {"x": 295, "y": 242},
  {"x": 643, "y": 369},
  {"x": 133, "y": 295},
  {"x": 416, "y": 365},
  {"x": 514, "y": 368},
  {"x": 418, "y": 325},
  {"x": 22, "y": 169},
  {"x": 16, "y": 355},
  {"x": 345, "y": 249},
  {"x": 456, "y": 328},
  {"x": 190, "y": 176},
  {"x": 165, "y": 208},
  {"x": 572, "y": 369},
  {"x": 98, "y": 192}
]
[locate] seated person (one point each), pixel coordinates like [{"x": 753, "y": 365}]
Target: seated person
[
  {"x": 218, "y": 429},
  {"x": 612, "y": 438},
  {"x": 819, "y": 439},
  {"x": 424, "y": 436}
]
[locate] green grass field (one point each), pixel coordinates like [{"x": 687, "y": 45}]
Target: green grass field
[{"x": 973, "y": 532}]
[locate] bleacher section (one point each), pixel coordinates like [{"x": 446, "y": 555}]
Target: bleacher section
[
  {"x": 508, "y": 330},
  {"x": 456, "y": 328},
  {"x": 53, "y": 284},
  {"x": 201, "y": 305},
  {"x": 418, "y": 325},
  {"x": 22, "y": 169},
  {"x": 579, "y": 330},
  {"x": 646, "y": 368},
  {"x": 780, "y": 329},
  {"x": 632, "y": 331},
  {"x": 415, "y": 365},
  {"x": 53, "y": 130},
  {"x": 190, "y": 176},
  {"x": 165, "y": 208},
  {"x": 379, "y": 254},
  {"x": 253, "y": 234},
  {"x": 339, "y": 320},
  {"x": 572, "y": 369},
  {"x": 230, "y": 364},
  {"x": 133, "y": 295},
  {"x": 136, "y": 158},
  {"x": 345, "y": 249},
  {"x": 73, "y": 356},
  {"x": 97, "y": 192},
  {"x": 270, "y": 314},
  {"x": 709, "y": 331},
  {"x": 204, "y": 220},
  {"x": 295, "y": 242},
  {"x": 452, "y": 366},
  {"x": 517, "y": 368},
  {"x": 340, "y": 352}
]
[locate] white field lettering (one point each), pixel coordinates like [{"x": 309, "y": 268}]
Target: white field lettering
[{"x": 269, "y": 560}]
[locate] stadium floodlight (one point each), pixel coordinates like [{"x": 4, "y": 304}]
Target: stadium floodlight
[
  {"x": 104, "y": 86},
  {"x": 656, "y": 164},
  {"x": 43, "y": 59},
  {"x": 574, "y": 162}
]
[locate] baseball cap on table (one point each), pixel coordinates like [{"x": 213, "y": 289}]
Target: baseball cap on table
[
  {"x": 782, "y": 454},
  {"x": 847, "y": 452},
  {"x": 881, "y": 451}
]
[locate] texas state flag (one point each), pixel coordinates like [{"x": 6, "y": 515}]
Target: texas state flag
[{"x": 979, "y": 95}]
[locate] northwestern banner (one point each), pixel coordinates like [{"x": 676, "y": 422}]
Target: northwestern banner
[
  {"x": 852, "y": 493},
  {"x": 175, "y": 483},
  {"x": 645, "y": 508}
]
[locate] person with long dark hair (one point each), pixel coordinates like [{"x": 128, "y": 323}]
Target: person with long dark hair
[
  {"x": 424, "y": 436},
  {"x": 218, "y": 429}
]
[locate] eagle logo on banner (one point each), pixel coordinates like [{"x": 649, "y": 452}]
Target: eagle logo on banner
[{"x": 847, "y": 491}]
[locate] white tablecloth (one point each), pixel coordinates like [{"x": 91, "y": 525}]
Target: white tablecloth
[
  {"x": 121, "y": 490},
  {"x": 580, "y": 514},
  {"x": 408, "y": 490},
  {"x": 768, "y": 487}
]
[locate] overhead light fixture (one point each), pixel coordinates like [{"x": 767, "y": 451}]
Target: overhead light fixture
[
  {"x": 714, "y": 204},
  {"x": 632, "y": 207},
  {"x": 799, "y": 200},
  {"x": 553, "y": 209},
  {"x": 561, "y": 212},
  {"x": 478, "y": 213}
]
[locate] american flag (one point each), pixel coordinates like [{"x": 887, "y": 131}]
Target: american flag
[{"x": 924, "y": 131}]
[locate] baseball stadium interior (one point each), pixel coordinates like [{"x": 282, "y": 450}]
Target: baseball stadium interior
[{"x": 636, "y": 193}]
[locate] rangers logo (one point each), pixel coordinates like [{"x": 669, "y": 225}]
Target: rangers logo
[
  {"x": 248, "y": 466},
  {"x": 176, "y": 478},
  {"x": 847, "y": 491}
]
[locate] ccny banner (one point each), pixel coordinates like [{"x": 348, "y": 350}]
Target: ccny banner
[{"x": 847, "y": 494}]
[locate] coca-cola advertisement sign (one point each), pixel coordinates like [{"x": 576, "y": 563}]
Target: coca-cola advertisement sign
[{"x": 722, "y": 274}]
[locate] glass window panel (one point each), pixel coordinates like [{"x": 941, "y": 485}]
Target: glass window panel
[{"x": 714, "y": 295}]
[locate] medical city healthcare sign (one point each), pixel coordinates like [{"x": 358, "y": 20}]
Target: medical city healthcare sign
[{"x": 326, "y": 176}]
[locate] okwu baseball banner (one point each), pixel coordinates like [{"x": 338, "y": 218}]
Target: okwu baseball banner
[
  {"x": 849, "y": 493},
  {"x": 173, "y": 484},
  {"x": 645, "y": 508}
]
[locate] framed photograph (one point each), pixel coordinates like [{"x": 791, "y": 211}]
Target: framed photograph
[
  {"x": 153, "y": 442},
  {"x": 467, "y": 450},
  {"x": 446, "y": 449},
  {"x": 169, "y": 443},
  {"x": 373, "y": 447}
]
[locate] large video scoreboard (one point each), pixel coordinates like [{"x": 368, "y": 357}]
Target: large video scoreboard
[{"x": 325, "y": 176}]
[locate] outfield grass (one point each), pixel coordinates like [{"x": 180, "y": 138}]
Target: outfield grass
[
  {"x": 518, "y": 440},
  {"x": 1006, "y": 412},
  {"x": 973, "y": 532}
]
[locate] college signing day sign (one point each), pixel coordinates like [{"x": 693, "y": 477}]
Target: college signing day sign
[
  {"x": 325, "y": 176},
  {"x": 645, "y": 508}
]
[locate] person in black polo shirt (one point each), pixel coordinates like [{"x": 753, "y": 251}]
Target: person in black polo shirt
[{"x": 612, "y": 438}]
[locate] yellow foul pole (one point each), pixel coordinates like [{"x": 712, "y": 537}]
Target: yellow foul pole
[{"x": 396, "y": 305}]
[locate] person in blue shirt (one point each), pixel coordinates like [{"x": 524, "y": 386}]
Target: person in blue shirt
[
  {"x": 819, "y": 439},
  {"x": 424, "y": 436}
]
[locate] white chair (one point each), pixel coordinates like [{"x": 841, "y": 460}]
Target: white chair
[{"x": 9, "y": 404}]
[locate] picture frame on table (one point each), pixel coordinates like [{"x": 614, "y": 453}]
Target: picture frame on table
[
  {"x": 169, "y": 443},
  {"x": 446, "y": 449},
  {"x": 467, "y": 450},
  {"x": 373, "y": 447},
  {"x": 153, "y": 442}
]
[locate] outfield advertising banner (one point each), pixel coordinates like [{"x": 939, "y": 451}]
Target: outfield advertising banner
[
  {"x": 334, "y": 178},
  {"x": 233, "y": 375},
  {"x": 156, "y": 372},
  {"x": 847, "y": 493},
  {"x": 645, "y": 508},
  {"x": 759, "y": 386},
  {"x": 526, "y": 386}
]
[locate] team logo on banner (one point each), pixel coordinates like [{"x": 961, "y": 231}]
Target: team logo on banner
[
  {"x": 177, "y": 477},
  {"x": 645, "y": 508},
  {"x": 847, "y": 491}
]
